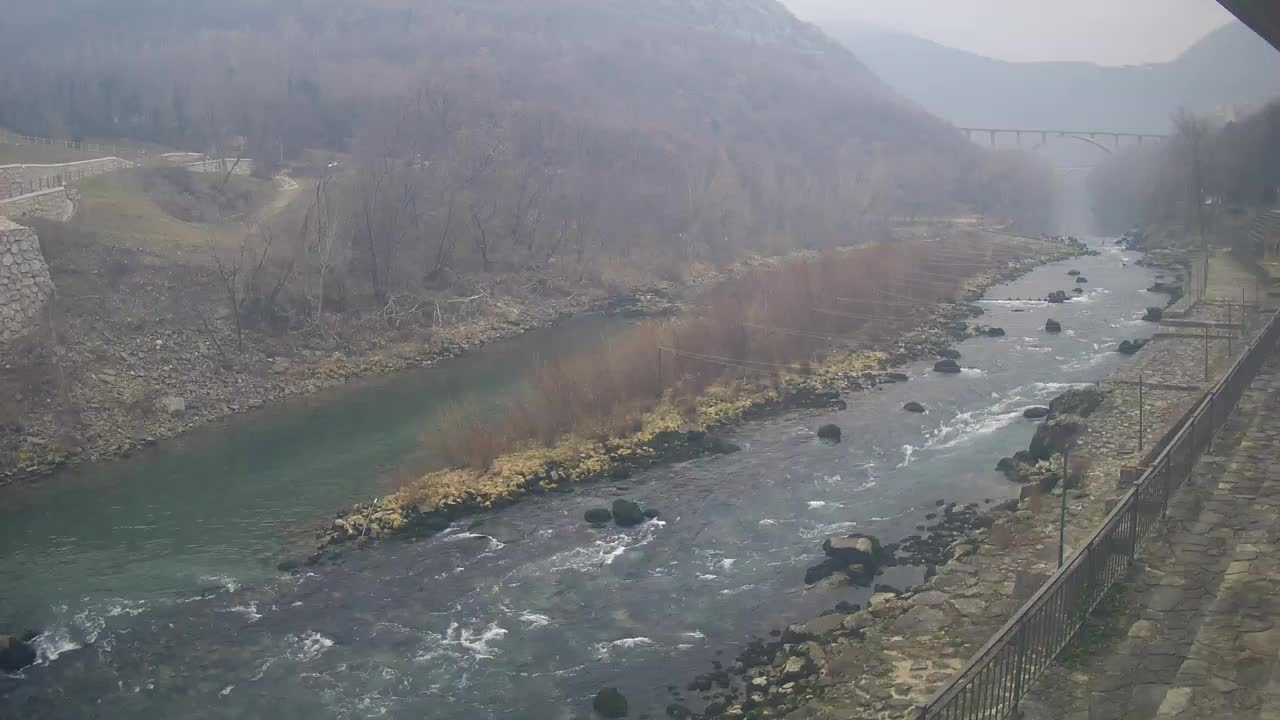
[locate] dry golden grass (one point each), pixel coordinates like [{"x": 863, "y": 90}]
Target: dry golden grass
[{"x": 773, "y": 318}]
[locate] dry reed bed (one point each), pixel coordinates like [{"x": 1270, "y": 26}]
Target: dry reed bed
[{"x": 802, "y": 325}]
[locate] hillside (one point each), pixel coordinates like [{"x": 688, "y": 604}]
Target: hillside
[
  {"x": 1230, "y": 66},
  {"x": 697, "y": 125}
]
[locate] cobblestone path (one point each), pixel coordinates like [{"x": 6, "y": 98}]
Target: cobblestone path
[{"x": 1203, "y": 639}]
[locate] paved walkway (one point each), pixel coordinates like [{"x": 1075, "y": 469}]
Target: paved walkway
[{"x": 1203, "y": 637}]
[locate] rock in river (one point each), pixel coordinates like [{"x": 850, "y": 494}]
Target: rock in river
[
  {"x": 949, "y": 354},
  {"x": 946, "y": 366},
  {"x": 1154, "y": 314},
  {"x": 627, "y": 513},
  {"x": 15, "y": 654},
  {"x": 1057, "y": 297},
  {"x": 829, "y": 432},
  {"x": 597, "y": 516},
  {"x": 1073, "y": 273},
  {"x": 1054, "y": 436},
  {"x": 1052, "y": 326},
  {"x": 1131, "y": 347},
  {"x": 1035, "y": 412},
  {"x": 913, "y": 407},
  {"x": 610, "y": 703},
  {"x": 1082, "y": 279}
]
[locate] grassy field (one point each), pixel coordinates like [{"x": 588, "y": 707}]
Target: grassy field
[{"x": 119, "y": 209}]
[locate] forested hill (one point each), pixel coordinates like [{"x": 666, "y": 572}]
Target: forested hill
[
  {"x": 1229, "y": 67},
  {"x": 694, "y": 123}
]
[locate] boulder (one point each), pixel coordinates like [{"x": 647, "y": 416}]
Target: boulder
[
  {"x": 1057, "y": 297},
  {"x": 855, "y": 548},
  {"x": 1082, "y": 279},
  {"x": 991, "y": 331},
  {"x": 946, "y": 366},
  {"x": 920, "y": 620},
  {"x": 610, "y": 703},
  {"x": 597, "y": 516},
  {"x": 171, "y": 405},
  {"x": 1154, "y": 314},
  {"x": 913, "y": 407},
  {"x": 627, "y": 513},
  {"x": 15, "y": 653},
  {"x": 949, "y": 354},
  {"x": 1131, "y": 347},
  {"x": 1078, "y": 291},
  {"x": 797, "y": 666},
  {"x": 1035, "y": 412},
  {"x": 896, "y": 377},
  {"x": 1052, "y": 326},
  {"x": 1053, "y": 436},
  {"x": 1006, "y": 464},
  {"x": 1082, "y": 401},
  {"x": 1073, "y": 272},
  {"x": 829, "y": 432}
]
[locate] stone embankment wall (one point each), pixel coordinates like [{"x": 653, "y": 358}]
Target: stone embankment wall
[
  {"x": 54, "y": 204},
  {"x": 25, "y": 179},
  {"x": 25, "y": 285}
]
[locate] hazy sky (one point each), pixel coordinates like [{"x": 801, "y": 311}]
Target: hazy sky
[{"x": 1111, "y": 32}]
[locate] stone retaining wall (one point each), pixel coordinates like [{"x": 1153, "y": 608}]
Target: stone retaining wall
[
  {"x": 25, "y": 285},
  {"x": 48, "y": 204}
]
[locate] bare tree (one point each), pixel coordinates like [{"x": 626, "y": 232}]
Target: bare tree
[
  {"x": 321, "y": 227},
  {"x": 1192, "y": 133}
]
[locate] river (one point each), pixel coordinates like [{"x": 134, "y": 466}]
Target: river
[{"x": 525, "y": 612}]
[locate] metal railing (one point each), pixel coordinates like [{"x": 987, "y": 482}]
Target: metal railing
[{"x": 997, "y": 677}]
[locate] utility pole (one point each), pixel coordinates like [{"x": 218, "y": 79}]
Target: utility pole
[
  {"x": 1062, "y": 518},
  {"x": 1141, "y": 413}
]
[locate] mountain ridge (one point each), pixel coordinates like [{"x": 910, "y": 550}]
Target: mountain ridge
[{"x": 1230, "y": 66}]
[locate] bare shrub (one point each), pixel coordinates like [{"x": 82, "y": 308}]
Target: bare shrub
[{"x": 779, "y": 316}]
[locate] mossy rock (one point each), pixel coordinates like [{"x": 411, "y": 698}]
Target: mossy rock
[{"x": 597, "y": 516}]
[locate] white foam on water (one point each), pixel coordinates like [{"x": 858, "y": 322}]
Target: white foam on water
[
  {"x": 735, "y": 591},
  {"x": 534, "y": 620},
  {"x": 969, "y": 426},
  {"x": 52, "y": 643},
  {"x": 972, "y": 372},
  {"x": 696, "y": 635},
  {"x": 476, "y": 641},
  {"x": 494, "y": 543},
  {"x": 604, "y": 551},
  {"x": 604, "y": 649},
  {"x": 708, "y": 577},
  {"x": 815, "y": 504},
  {"x": 307, "y": 647},
  {"x": 249, "y": 611},
  {"x": 828, "y": 529},
  {"x": 907, "y": 452},
  {"x": 768, "y": 521},
  {"x": 226, "y": 582},
  {"x": 227, "y": 690},
  {"x": 727, "y": 564}
]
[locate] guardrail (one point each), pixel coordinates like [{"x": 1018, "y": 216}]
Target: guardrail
[
  {"x": 997, "y": 677},
  {"x": 88, "y": 148},
  {"x": 70, "y": 174}
]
